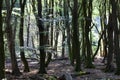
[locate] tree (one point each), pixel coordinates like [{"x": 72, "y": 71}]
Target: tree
[
  {"x": 2, "y": 53},
  {"x": 109, "y": 66},
  {"x": 41, "y": 38},
  {"x": 52, "y": 12},
  {"x": 11, "y": 37},
  {"x": 67, "y": 26},
  {"x": 21, "y": 36},
  {"x": 116, "y": 34},
  {"x": 102, "y": 12},
  {"x": 88, "y": 19},
  {"x": 75, "y": 35}
]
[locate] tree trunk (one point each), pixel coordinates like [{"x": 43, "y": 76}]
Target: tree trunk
[
  {"x": 88, "y": 20},
  {"x": 109, "y": 67},
  {"x": 67, "y": 26},
  {"x": 75, "y": 37},
  {"x": 63, "y": 44},
  {"x": 21, "y": 36},
  {"x": 66, "y": 23},
  {"x": 83, "y": 41},
  {"x": 116, "y": 35},
  {"x": 28, "y": 30},
  {"x": 41, "y": 39},
  {"x": 2, "y": 53},
  {"x": 52, "y": 12},
  {"x": 11, "y": 38},
  {"x": 56, "y": 40}
]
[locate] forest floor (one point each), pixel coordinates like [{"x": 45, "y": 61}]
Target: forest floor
[{"x": 59, "y": 67}]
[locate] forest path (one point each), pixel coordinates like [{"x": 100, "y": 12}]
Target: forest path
[{"x": 59, "y": 67}]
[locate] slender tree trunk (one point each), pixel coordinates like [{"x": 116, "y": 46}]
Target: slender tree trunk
[
  {"x": 52, "y": 12},
  {"x": 102, "y": 12},
  {"x": 83, "y": 41},
  {"x": 57, "y": 33},
  {"x": 66, "y": 23},
  {"x": 56, "y": 40},
  {"x": 11, "y": 38},
  {"x": 109, "y": 67},
  {"x": 41, "y": 39},
  {"x": 75, "y": 36},
  {"x": 28, "y": 30},
  {"x": 2, "y": 52},
  {"x": 21, "y": 36},
  {"x": 38, "y": 17},
  {"x": 88, "y": 20},
  {"x": 63, "y": 44}
]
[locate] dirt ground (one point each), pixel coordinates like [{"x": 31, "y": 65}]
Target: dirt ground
[{"x": 59, "y": 67}]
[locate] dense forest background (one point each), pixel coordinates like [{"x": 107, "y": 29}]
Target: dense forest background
[{"x": 46, "y": 30}]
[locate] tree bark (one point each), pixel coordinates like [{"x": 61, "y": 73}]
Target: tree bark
[
  {"x": 2, "y": 52},
  {"x": 109, "y": 67},
  {"x": 21, "y": 36},
  {"x": 11, "y": 38},
  {"x": 88, "y": 20},
  {"x": 52, "y": 12},
  {"x": 116, "y": 35},
  {"x": 41, "y": 39},
  {"x": 28, "y": 30},
  {"x": 75, "y": 37}
]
